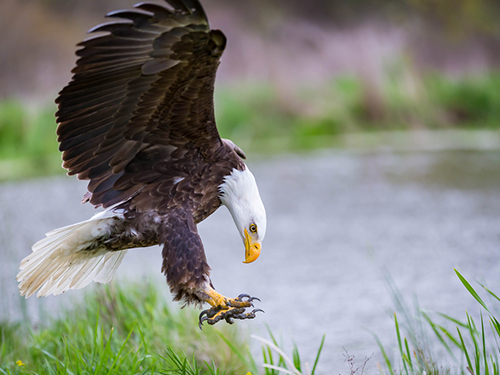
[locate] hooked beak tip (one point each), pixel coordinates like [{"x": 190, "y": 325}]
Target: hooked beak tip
[
  {"x": 252, "y": 249},
  {"x": 252, "y": 254}
]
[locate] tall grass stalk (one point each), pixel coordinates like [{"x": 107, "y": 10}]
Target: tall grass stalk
[
  {"x": 472, "y": 345},
  {"x": 283, "y": 363}
]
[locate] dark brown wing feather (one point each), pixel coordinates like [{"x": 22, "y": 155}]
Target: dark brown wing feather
[{"x": 141, "y": 93}]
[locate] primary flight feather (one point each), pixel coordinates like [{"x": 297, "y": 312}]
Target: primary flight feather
[{"x": 137, "y": 121}]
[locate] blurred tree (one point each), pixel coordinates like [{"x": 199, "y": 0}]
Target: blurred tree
[
  {"x": 37, "y": 51},
  {"x": 27, "y": 48},
  {"x": 458, "y": 17},
  {"x": 461, "y": 18}
]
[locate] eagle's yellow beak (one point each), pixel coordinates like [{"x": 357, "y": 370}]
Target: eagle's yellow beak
[{"x": 252, "y": 249}]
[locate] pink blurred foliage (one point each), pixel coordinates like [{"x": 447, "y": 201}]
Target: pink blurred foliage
[{"x": 266, "y": 43}]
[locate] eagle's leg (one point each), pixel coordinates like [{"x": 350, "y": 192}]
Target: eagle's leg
[
  {"x": 227, "y": 308},
  {"x": 188, "y": 273}
]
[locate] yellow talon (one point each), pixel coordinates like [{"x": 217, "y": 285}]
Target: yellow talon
[
  {"x": 227, "y": 309},
  {"x": 216, "y": 299}
]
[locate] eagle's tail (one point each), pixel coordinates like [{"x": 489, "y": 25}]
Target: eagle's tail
[{"x": 70, "y": 258}]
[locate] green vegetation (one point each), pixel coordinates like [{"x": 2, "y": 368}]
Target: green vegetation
[
  {"x": 111, "y": 333},
  {"x": 472, "y": 345},
  {"x": 260, "y": 118},
  {"x": 283, "y": 363},
  {"x": 28, "y": 145},
  {"x": 263, "y": 119}
]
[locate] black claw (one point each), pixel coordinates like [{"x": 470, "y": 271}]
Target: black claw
[
  {"x": 202, "y": 318},
  {"x": 250, "y": 298},
  {"x": 258, "y": 310}
]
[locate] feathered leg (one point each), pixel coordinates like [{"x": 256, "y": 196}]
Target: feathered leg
[{"x": 188, "y": 273}]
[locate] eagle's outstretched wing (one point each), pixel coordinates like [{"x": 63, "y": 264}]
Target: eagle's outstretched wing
[{"x": 141, "y": 92}]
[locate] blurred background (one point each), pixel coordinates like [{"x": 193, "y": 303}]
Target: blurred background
[
  {"x": 295, "y": 74},
  {"x": 381, "y": 117}
]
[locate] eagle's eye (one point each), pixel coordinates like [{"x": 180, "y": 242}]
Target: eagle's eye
[{"x": 253, "y": 228}]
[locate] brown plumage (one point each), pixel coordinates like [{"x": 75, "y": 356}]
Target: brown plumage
[
  {"x": 139, "y": 110},
  {"x": 137, "y": 121}
]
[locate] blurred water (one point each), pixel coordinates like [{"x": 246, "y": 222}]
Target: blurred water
[{"x": 336, "y": 221}]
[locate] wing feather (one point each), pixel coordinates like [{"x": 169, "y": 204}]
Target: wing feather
[{"x": 146, "y": 82}]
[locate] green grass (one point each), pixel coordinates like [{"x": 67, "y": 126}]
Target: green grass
[
  {"x": 133, "y": 330},
  {"x": 260, "y": 118},
  {"x": 129, "y": 330},
  {"x": 276, "y": 361},
  {"x": 441, "y": 344}
]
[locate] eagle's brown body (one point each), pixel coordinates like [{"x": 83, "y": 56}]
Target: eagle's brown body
[{"x": 173, "y": 224}]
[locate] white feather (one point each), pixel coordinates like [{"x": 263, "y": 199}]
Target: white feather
[
  {"x": 178, "y": 179},
  {"x": 58, "y": 263},
  {"x": 240, "y": 194}
]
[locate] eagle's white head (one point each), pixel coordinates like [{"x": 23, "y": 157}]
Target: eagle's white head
[{"x": 239, "y": 193}]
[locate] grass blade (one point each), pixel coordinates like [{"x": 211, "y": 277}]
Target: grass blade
[
  {"x": 408, "y": 354},
  {"x": 279, "y": 369},
  {"x": 464, "y": 349},
  {"x": 249, "y": 361},
  {"x": 490, "y": 292},
  {"x": 318, "y": 354},
  {"x": 281, "y": 361},
  {"x": 471, "y": 290},
  {"x": 485, "y": 355},
  {"x": 384, "y": 354},
  {"x": 453, "y": 320},
  {"x": 279, "y": 351},
  {"x": 398, "y": 333},
  {"x": 436, "y": 329},
  {"x": 117, "y": 356},
  {"x": 296, "y": 357}
]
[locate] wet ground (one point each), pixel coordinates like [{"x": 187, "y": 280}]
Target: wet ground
[{"x": 337, "y": 222}]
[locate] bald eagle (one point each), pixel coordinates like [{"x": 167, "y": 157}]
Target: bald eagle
[{"x": 137, "y": 121}]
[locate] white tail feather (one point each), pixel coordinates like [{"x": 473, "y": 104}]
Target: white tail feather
[{"x": 59, "y": 263}]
